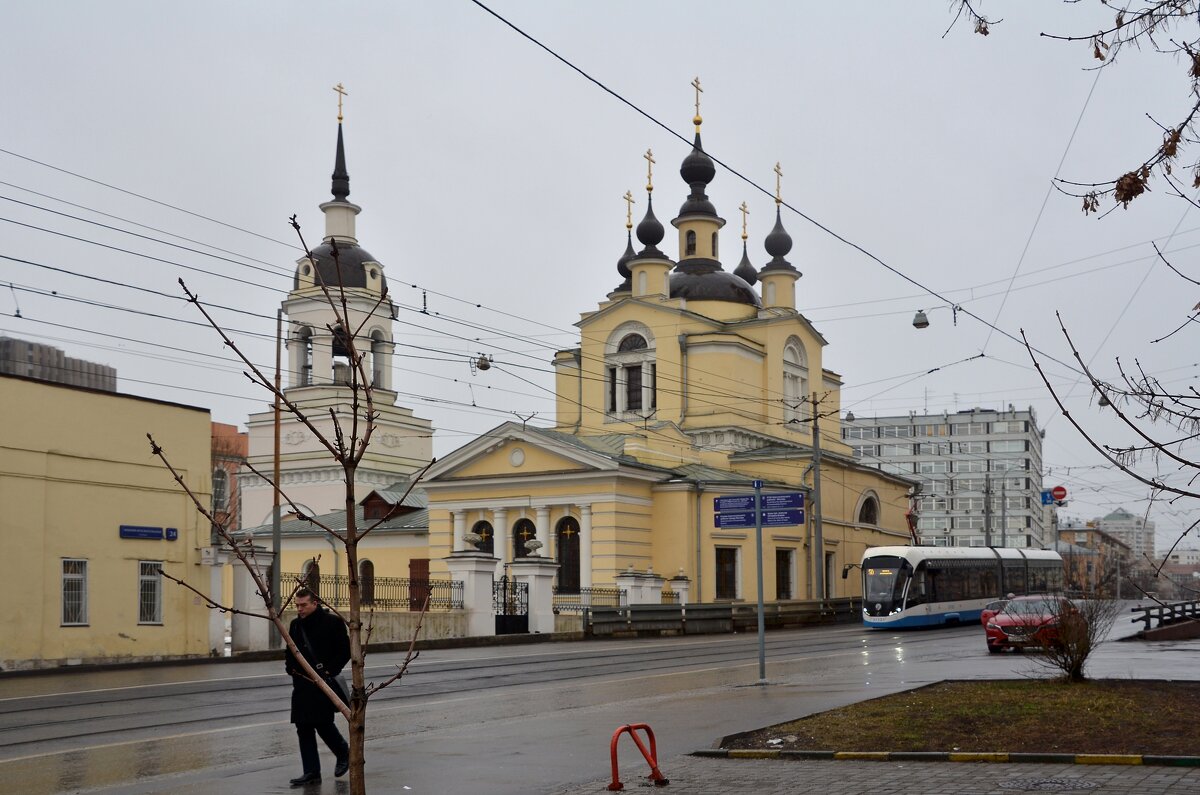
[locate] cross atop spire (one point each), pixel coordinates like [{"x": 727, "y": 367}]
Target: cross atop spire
[
  {"x": 628, "y": 197},
  {"x": 745, "y": 212},
  {"x": 650, "y": 161},
  {"x": 341, "y": 92},
  {"x": 697, "y": 120},
  {"x": 778, "y": 182}
]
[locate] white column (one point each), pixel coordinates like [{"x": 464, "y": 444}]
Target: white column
[
  {"x": 544, "y": 533},
  {"x": 250, "y": 634},
  {"x": 539, "y": 573},
  {"x": 501, "y": 545},
  {"x": 585, "y": 546},
  {"x": 460, "y": 529},
  {"x": 474, "y": 570}
]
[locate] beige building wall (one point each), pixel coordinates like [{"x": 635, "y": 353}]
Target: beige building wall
[{"x": 75, "y": 470}]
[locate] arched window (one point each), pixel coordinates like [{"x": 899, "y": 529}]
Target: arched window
[
  {"x": 868, "y": 511},
  {"x": 690, "y": 244},
  {"x": 484, "y": 530},
  {"x": 311, "y": 574},
  {"x": 631, "y": 371},
  {"x": 795, "y": 381},
  {"x": 715, "y": 255},
  {"x": 366, "y": 581},
  {"x": 523, "y": 531},
  {"x": 378, "y": 359},
  {"x": 304, "y": 358},
  {"x": 342, "y": 370},
  {"x": 220, "y": 490}
]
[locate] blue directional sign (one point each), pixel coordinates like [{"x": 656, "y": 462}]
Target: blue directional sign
[
  {"x": 744, "y": 519},
  {"x": 739, "y": 502},
  {"x": 745, "y": 502},
  {"x": 1047, "y": 498},
  {"x": 792, "y": 499}
]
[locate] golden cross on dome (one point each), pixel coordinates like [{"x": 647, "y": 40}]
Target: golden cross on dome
[
  {"x": 650, "y": 161},
  {"x": 628, "y": 197},
  {"x": 745, "y": 211},
  {"x": 697, "y": 120},
  {"x": 778, "y": 178},
  {"x": 341, "y": 92}
]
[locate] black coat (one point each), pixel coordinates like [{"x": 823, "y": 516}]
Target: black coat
[{"x": 329, "y": 652}]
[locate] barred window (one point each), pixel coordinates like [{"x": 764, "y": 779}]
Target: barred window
[
  {"x": 149, "y": 592},
  {"x": 74, "y": 593}
]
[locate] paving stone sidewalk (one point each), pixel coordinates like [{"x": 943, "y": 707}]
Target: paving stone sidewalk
[{"x": 688, "y": 774}]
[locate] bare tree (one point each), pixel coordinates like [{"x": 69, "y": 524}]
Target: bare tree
[
  {"x": 1074, "y": 630},
  {"x": 346, "y": 446},
  {"x": 1155, "y": 25}
]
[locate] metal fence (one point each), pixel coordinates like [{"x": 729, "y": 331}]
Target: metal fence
[
  {"x": 384, "y": 593},
  {"x": 669, "y": 597},
  {"x": 579, "y": 600}
]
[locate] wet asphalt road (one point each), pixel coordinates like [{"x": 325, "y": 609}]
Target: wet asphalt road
[{"x": 499, "y": 719}]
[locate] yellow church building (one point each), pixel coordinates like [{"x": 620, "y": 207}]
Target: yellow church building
[{"x": 690, "y": 383}]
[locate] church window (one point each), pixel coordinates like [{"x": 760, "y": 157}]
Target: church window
[
  {"x": 311, "y": 575},
  {"x": 632, "y": 373},
  {"x": 795, "y": 381},
  {"x": 378, "y": 359},
  {"x": 366, "y": 581},
  {"x": 220, "y": 490},
  {"x": 727, "y": 572},
  {"x": 487, "y": 535},
  {"x": 690, "y": 244},
  {"x": 868, "y": 512},
  {"x": 305, "y": 359},
  {"x": 714, "y": 246},
  {"x": 342, "y": 369},
  {"x": 524, "y": 530}
]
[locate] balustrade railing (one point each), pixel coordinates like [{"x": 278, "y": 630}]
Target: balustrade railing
[
  {"x": 580, "y": 599},
  {"x": 383, "y": 593}
]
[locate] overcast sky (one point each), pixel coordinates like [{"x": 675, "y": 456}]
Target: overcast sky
[{"x": 490, "y": 177}]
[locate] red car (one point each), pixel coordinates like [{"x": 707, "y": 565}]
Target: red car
[{"x": 1028, "y": 621}]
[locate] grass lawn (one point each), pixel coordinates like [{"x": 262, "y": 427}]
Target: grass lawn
[{"x": 1024, "y": 715}]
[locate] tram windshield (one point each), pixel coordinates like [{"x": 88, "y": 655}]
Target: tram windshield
[{"x": 884, "y": 579}]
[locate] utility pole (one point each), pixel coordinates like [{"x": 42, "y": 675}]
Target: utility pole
[
  {"x": 276, "y": 539},
  {"x": 1003, "y": 512},
  {"x": 818, "y": 540},
  {"x": 987, "y": 509}
]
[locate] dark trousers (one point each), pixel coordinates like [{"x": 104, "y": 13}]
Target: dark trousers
[{"x": 308, "y": 732}]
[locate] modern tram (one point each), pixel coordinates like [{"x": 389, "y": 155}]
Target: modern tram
[{"x": 935, "y": 586}]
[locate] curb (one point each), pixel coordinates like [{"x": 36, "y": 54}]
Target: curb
[{"x": 950, "y": 756}]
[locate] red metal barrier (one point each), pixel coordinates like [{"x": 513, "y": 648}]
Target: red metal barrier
[{"x": 651, "y": 755}]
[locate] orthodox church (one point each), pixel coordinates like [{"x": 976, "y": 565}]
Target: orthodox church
[{"x": 691, "y": 382}]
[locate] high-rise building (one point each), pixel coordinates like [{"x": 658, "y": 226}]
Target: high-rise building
[
  {"x": 1135, "y": 531},
  {"x": 980, "y": 472},
  {"x": 47, "y": 363}
]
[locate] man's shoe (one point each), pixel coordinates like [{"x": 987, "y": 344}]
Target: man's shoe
[
  {"x": 306, "y": 779},
  {"x": 343, "y": 765}
]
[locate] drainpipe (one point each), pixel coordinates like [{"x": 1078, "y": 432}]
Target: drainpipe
[
  {"x": 683, "y": 395},
  {"x": 699, "y": 545},
  {"x": 579, "y": 388}
]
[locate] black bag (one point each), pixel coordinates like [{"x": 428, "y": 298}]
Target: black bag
[{"x": 338, "y": 683}]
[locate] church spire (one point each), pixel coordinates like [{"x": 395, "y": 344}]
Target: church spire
[
  {"x": 745, "y": 270},
  {"x": 341, "y": 178}
]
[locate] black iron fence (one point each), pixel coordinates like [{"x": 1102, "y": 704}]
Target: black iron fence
[
  {"x": 383, "y": 593},
  {"x": 580, "y": 599}
]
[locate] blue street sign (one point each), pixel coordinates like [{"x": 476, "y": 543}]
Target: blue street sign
[
  {"x": 1047, "y": 498},
  {"x": 739, "y": 502},
  {"x": 133, "y": 531},
  {"x": 744, "y": 519},
  {"x": 732, "y": 520},
  {"x": 745, "y": 502},
  {"x": 172, "y": 533},
  {"x": 792, "y": 499},
  {"x": 782, "y": 518}
]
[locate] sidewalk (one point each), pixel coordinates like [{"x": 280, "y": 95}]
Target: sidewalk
[{"x": 690, "y": 774}]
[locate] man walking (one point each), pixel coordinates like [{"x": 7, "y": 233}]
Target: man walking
[{"x": 321, "y": 637}]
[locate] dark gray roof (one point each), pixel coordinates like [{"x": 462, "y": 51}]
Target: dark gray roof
[
  {"x": 351, "y": 257},
  {"x": 415, "y": 521}
]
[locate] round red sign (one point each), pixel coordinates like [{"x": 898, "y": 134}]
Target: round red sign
[{"x": 1058, "y": 492}]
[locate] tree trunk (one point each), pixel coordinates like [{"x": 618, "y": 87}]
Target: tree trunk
[{"x": 358, "y": 740}]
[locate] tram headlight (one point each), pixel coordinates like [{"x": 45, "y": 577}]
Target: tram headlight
[{"x": 878, "y": 606}]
